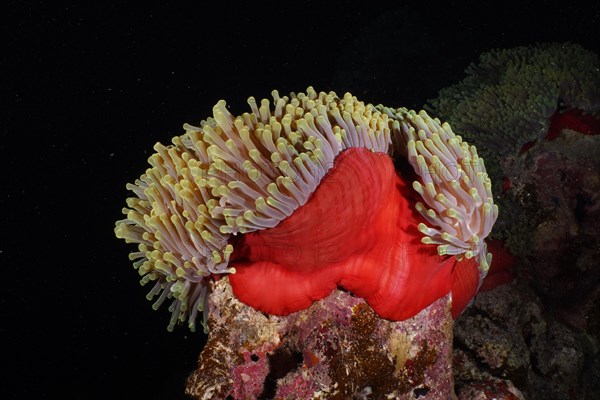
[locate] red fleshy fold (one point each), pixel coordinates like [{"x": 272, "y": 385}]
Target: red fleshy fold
[
  {"x": 465, "y": 281},
  {"x": 357, "y": 231},
  {"x": 465, "y": 277},
  {"x": 500, "y": 272},
  {"x": 574, "y": 119}
]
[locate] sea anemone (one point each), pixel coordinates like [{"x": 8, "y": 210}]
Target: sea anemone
[
  {"x": 294, "y": 200},
  {"x": 510, "y": 96},
  {"x": 513, "y": 98}
]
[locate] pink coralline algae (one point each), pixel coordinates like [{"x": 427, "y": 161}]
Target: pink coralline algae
[
  {"x": 494, "y": 389},
  {"x": 336, "y": 349}
]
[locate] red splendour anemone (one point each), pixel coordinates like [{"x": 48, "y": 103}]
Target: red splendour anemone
[{"x": 302, "y": 196}]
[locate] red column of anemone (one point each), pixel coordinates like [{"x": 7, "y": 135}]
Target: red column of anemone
[{"x": 358, "y": 231}]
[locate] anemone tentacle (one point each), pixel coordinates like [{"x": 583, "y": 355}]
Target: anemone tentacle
[
  {"x": 233, "y": 175},
  {"x": 454, "y": 185}
]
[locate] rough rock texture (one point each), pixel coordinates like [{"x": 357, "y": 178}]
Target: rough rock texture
[
  {"x": 543, "y": 333},
  {"x": 336, "y": 349},
  {"x": 508, "y": 334},
  {"x": 558, "y": 184},
  {"x": 491, "y": 389}
]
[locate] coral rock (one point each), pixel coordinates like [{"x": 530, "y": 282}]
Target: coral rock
[
  {"x": 508, "y": 334},
  {"x": 336, "y": 349},
  {"x": 494, "y": 389}
]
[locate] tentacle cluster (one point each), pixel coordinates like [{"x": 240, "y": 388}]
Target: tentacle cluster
[
  {"x": 457, "y": 195},
  {"x": 235, "y": 175}
]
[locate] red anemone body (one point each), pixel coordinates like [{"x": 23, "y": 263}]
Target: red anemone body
[{"x": 358, "y": 231}]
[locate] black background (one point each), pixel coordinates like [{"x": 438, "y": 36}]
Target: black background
[{"x": 88, "y": 89}]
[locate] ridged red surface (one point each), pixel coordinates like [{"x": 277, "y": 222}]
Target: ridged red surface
[
  {"x": 358, "y": 231},
  {"x": 501, "y": 269},
  {"x": 465, "y": 280}
]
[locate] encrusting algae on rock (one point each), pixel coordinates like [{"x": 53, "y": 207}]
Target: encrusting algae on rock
[{"x": 338, "y": 348}]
